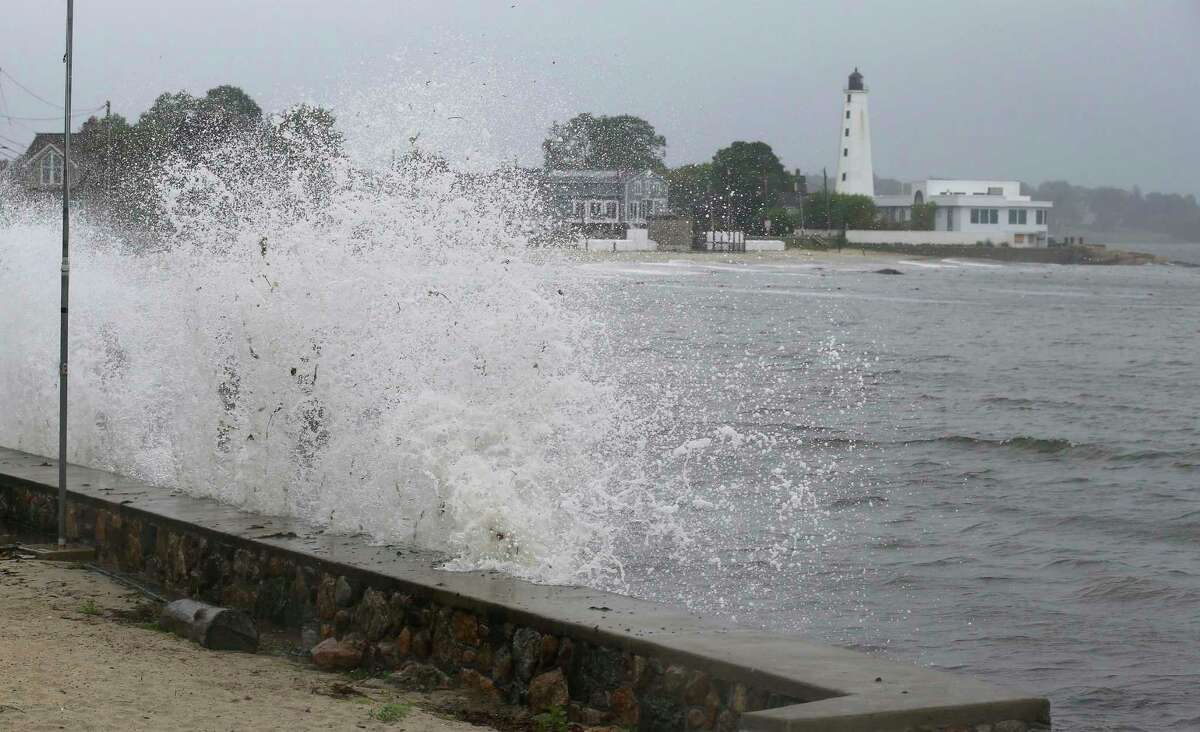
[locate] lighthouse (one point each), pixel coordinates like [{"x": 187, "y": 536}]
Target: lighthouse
[{"x": 855, "y": 174}]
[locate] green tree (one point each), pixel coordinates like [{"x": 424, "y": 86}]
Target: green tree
[
  {"x": 689, "y": 189},
  {"x": 923, "y": 216},
  {"x": 839, "y": 211},
  {"x": 182, "y": 124},
  {"x": 748, "y": 178},
  {"x": 230, "y": 105},
  {"x": 588, "y": 142}
]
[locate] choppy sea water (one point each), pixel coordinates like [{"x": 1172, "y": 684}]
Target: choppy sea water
[{"x": 993, "y": 470}]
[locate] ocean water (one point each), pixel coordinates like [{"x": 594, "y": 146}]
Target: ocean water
[{"x": 990, "y": 469}]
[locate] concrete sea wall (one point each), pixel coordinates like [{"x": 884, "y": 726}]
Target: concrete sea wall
[{"x": 605, "y": 659}]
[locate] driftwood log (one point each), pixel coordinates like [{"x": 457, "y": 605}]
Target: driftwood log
[{"x": 217, "y": 628}]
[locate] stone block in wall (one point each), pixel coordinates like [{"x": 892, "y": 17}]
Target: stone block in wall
[
  {"x": 326, "y": 606},
  {"x": 548, "y": 690},
  {"x": 373, "y": 615},
  {"x": 526, "y": 653}
]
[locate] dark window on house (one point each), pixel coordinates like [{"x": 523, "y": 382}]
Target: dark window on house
[
  {"x": 847, "y": 114},
  {"x": 975, "y": 216},
  {"x": 847, "y": 98},
  {"x": 845, "y": 152},
  {"x": 633, "y": 210},
  {"x": 51, "y": 170},
  {"x": 847, "y": 132},
  {"x": 843, "y": 176},
  {"x": 1041, "y": 216},
  {"x": 611, "y": 211},
  {"x": 596, "y": 208}
]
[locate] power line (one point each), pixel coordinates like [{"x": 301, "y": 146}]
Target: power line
[
  {"x": 3, "y": 101},
  {"x": 52, "y": 119},
  {"x": 29, "y": 91}
]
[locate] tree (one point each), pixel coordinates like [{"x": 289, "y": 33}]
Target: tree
[
  {"x": 587, "y": 142},
  {"x": 923, "y": 216},
  {"x": 839, "y": 211},
  {"x": 102, "y": 146},
  {"x": 748, "y": 179},
  {"x": 689, "y": 189},
  {"x": 186, "y": 125},
  {"x": 231, "y": 105}
]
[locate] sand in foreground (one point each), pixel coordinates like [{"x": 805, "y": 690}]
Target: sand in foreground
[{"x": 62, "y": 667}]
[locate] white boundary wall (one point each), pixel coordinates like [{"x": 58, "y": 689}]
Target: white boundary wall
[
  {"x": 863, "y": 236},
  {"x": 764, "y": 245},
  {"x": 637, "y": 240}
]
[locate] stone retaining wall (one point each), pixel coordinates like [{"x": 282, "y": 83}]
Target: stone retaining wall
[
  {"x": 368, "y": 622},
  {"x": 514, "y": 649}
]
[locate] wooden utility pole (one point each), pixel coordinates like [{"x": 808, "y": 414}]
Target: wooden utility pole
[
  {"x": 825, "y": 182},
  {"x": 801, "y": 189},
  {"x": 107, "y": 151},
  {"x": 66, "y": 281}
]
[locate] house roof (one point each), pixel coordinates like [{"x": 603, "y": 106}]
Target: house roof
[
  {"x": 41, "y": 140},
  {"x": 607, "y": 183}
]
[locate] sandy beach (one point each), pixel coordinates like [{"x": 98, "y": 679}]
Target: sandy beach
[{"x": 74, "y": 655}]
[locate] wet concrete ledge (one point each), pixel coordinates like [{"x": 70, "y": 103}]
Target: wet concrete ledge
[{"x": 610, "y": 659}]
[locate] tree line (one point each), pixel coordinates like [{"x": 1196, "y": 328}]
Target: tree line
[
  {"x": 1128, "y": 213},
  {"x": 745, "y": 186},
  {"x": 121, "y": 162}
]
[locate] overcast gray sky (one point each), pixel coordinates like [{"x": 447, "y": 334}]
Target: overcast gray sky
[{"x": 1093, "y": 91}]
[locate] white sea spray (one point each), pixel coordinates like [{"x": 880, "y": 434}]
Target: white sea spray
[{"x": 387, "y": 354}]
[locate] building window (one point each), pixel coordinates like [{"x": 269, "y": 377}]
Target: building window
[
  {"x": 1041, "y": 217},
  {"x": 847, "y": 99},
  {"x": 611, "y": 209},
  {"x": 579, "y": 209},
  {"x": 1012, "y": 215},
  {"x": 847, "y": 114},
  {"x": 51, "y": 170},
  {"x": 845, "y": 152},
  {"x": 995, "y": 191},
  {"x": 847, "y": 132},
  {"x": 637, "y": 188},
  {"x": 985, "y": 216},
  {"x": 596, "y": 208},
  {"x": 843, "y": 176},
  {"x": 633, "y": 210}
]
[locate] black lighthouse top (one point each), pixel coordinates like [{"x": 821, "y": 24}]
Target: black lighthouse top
[{"x": 855, "y": 81}]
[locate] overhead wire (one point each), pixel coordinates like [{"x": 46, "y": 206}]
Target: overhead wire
[
  {"x": 29, "y": 91},
  {"x": 51, "y": 119}
]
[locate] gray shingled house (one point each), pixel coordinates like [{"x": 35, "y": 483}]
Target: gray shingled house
[
  {"x": 607, "y": 200},
  {"x": 41, "y": 167}
]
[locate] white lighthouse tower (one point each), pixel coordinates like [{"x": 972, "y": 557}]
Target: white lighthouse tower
[{"x": 855, "y": 173}]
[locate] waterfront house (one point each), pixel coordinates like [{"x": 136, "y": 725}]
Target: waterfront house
[
  {"x": 612, "y": 200},
  {"x": 981, "y": 210},
  {"x": 41, "y": 167}
]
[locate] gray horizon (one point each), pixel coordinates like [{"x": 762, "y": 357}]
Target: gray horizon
[{"x": 1096, "y": 93}]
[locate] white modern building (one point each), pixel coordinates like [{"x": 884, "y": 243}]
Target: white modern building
[
  {"x": 979, "y": 210},
  {"x": 855, "y": 173}
]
